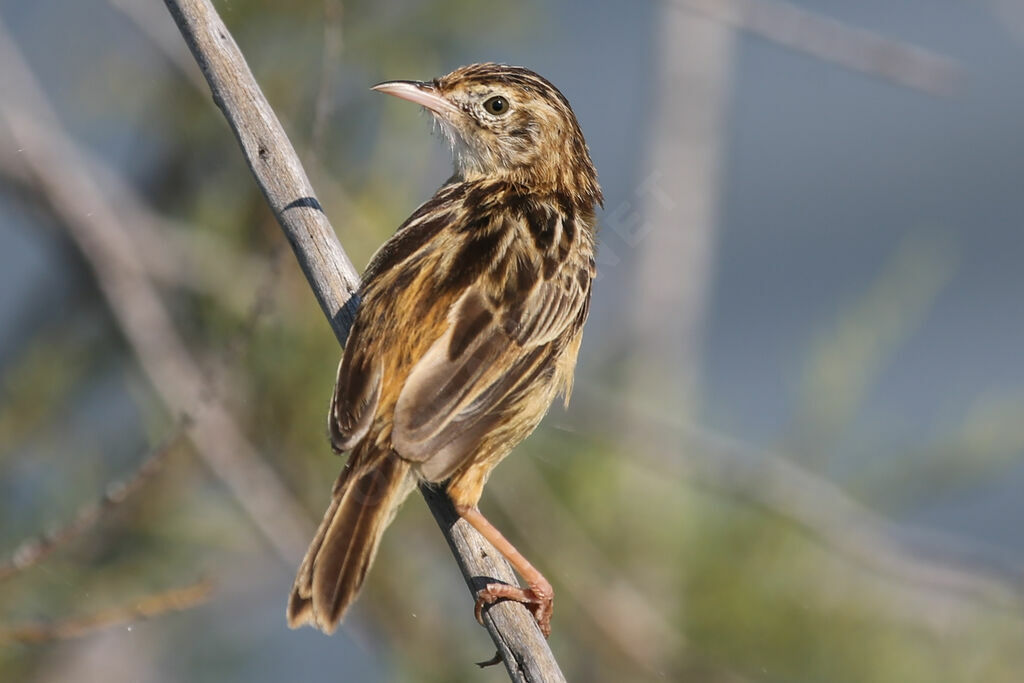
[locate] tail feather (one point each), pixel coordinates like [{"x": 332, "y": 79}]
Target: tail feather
[{"x": 343, "y": 549}]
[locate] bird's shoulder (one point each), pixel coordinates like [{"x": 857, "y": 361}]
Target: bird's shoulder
[{"x": 495, "y": 235}]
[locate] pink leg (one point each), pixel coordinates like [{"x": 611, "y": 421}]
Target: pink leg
[{"x": 539, "y": 597}]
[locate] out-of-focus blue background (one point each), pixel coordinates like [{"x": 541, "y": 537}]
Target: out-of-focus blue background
[{"x": 794, "y": 451}]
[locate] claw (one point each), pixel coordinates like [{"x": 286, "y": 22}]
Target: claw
[
  {"x": 539, "y": 604},
  {"x": 478, "y": 609},
  {"x": 496, "y": 659}
]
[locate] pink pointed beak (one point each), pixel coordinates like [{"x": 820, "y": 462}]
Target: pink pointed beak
[{"x": 420, "y": 92}]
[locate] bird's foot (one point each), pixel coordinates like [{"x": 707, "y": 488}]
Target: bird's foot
[{"x": 537, "y": 600}]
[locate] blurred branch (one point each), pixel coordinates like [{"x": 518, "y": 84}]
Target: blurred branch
[
  {"x": 279, "y": 174},
  {"x": 329, "y": 60},
  {"x": 826, "y": 513},
  {"x": 149, "y": 19},
  {"x": 72, "y": 191},
  {"x": 173, "y": 254},
  {"x": 147, "y": 607},
  {"x": 33, "y": 551},
  {"x": 1010, "y": 13},
  {"x": 674, "y": 266},
  {"x": 788, "y": 25}
]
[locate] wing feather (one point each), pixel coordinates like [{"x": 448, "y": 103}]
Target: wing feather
[
  {"x": 356, "y": 394},
  {"x": 495, "y": 347}
]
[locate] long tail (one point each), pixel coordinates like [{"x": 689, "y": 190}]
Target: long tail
[{"x": 345, "y": 544}]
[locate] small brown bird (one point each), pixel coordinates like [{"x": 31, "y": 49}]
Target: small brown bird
[{"x": 470, "y": 323}]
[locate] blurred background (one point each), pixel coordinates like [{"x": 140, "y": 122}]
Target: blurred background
[{"x": 795, "y": 450}]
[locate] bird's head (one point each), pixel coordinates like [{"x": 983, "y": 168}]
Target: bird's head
[{"x": 506, "y": 122}]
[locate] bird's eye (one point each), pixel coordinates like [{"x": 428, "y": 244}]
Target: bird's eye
[{"x": 496, "y": 105}]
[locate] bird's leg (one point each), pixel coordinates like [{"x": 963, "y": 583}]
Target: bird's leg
[{"x": 539, "y": 597}]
